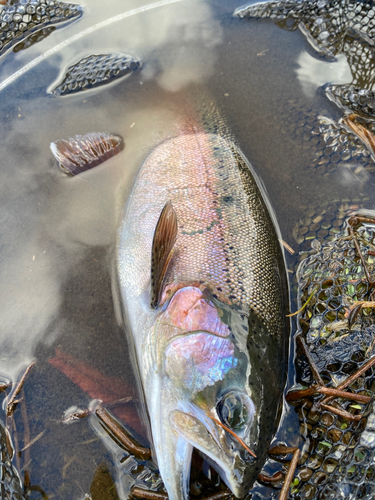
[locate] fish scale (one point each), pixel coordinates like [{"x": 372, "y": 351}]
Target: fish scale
[{"x": 179, "y": 163}]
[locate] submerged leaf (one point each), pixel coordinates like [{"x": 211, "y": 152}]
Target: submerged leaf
[{"x": 83, "y": 152}]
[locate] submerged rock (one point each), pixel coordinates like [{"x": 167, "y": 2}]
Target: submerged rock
[
  {"x": 94, "y": 71},
  {"x": 18, "y": 20}
]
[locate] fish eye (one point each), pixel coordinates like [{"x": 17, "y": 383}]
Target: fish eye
[{"x": 235, "y": 409}]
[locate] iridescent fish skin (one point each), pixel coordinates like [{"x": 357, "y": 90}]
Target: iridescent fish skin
[
  {"x": 215, "y": 347},
  {"x": 18, "y": 20}
]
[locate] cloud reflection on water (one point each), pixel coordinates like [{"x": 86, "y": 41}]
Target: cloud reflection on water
[{"x": 313, "y": 73}]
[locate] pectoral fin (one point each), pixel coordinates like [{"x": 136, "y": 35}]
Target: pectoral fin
[{"x": 162, "y": 247}]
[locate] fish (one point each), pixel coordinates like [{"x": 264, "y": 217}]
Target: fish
[
  {"x": 19, "y": 20},
  {"x": 205, "y": 297},
  {"x": 94, "y": 71},
  {"x": 10, "y": 482}
]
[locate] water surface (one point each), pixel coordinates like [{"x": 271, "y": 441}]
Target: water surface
[{"x": 58, "y": 295}]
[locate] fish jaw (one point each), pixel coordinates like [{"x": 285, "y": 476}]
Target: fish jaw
[
  {"x": 176, "y": 432},
  {"x": 173, "y": 452}
]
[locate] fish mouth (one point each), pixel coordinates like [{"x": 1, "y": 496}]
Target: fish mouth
[{"x": 203, "y": 434}]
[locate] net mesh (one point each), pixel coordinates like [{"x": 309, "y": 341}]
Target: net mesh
[
  {"x": 338, "y": 454},
  {"x": 10, "y": 484}
]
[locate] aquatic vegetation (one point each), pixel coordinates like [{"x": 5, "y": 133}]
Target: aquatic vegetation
[
  {"x": 207, "y": 314},
  {"x": 94, "y": 71},
  {"x": 18, "y": 20},
  {"x": 83, "y": 152}
]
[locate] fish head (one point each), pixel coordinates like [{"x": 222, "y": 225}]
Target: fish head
[{"x": 212, "y": 392}]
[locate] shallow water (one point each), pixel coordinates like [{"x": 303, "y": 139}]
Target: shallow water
[{"x": 58, "y": 234}]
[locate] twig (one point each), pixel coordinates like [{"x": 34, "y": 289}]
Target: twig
[
  {"x": 312, "y": 364},
  {"x": 109, "y": 422},
  {"x": 234, "y": 435},
  {"x": 359, "y": 253},
  {"x": 341, "y": 413},
  {"x": 282, "y": 450},
  {"x": 351, "y": 379},
  {"x": 287, "y": 247},
  {"x": 26, "y": 433},
  {"x": 335, "y": 393},
  {"x": 11, "y": 406},
  {"x": 30, "y": 443},
  {"x": 147, "y": 494}
]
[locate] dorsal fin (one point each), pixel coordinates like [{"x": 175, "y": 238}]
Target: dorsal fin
[{"x": 162, "y": 246}]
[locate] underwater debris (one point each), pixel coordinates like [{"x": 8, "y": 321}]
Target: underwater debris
[
  {"x": 113, "y": 427},
  {"x": 364, "y": 131},
  {"x": 334, "y": 458},
  {"x": 10, "y": 482},
  {"x": 11, "y": 406},
  {"x": 140, "y": 494},
  {"x": 103, "y": 485},
  {"x": 19, "y": 20},
  {"x": 83, "y": 152},
  {"x": 94, "y": 71}
]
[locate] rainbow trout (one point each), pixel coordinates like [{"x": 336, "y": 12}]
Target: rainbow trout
[{"x": 205, "y": 296}]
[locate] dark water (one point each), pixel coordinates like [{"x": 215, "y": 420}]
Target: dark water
[{"x": 58, "y": 298}]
